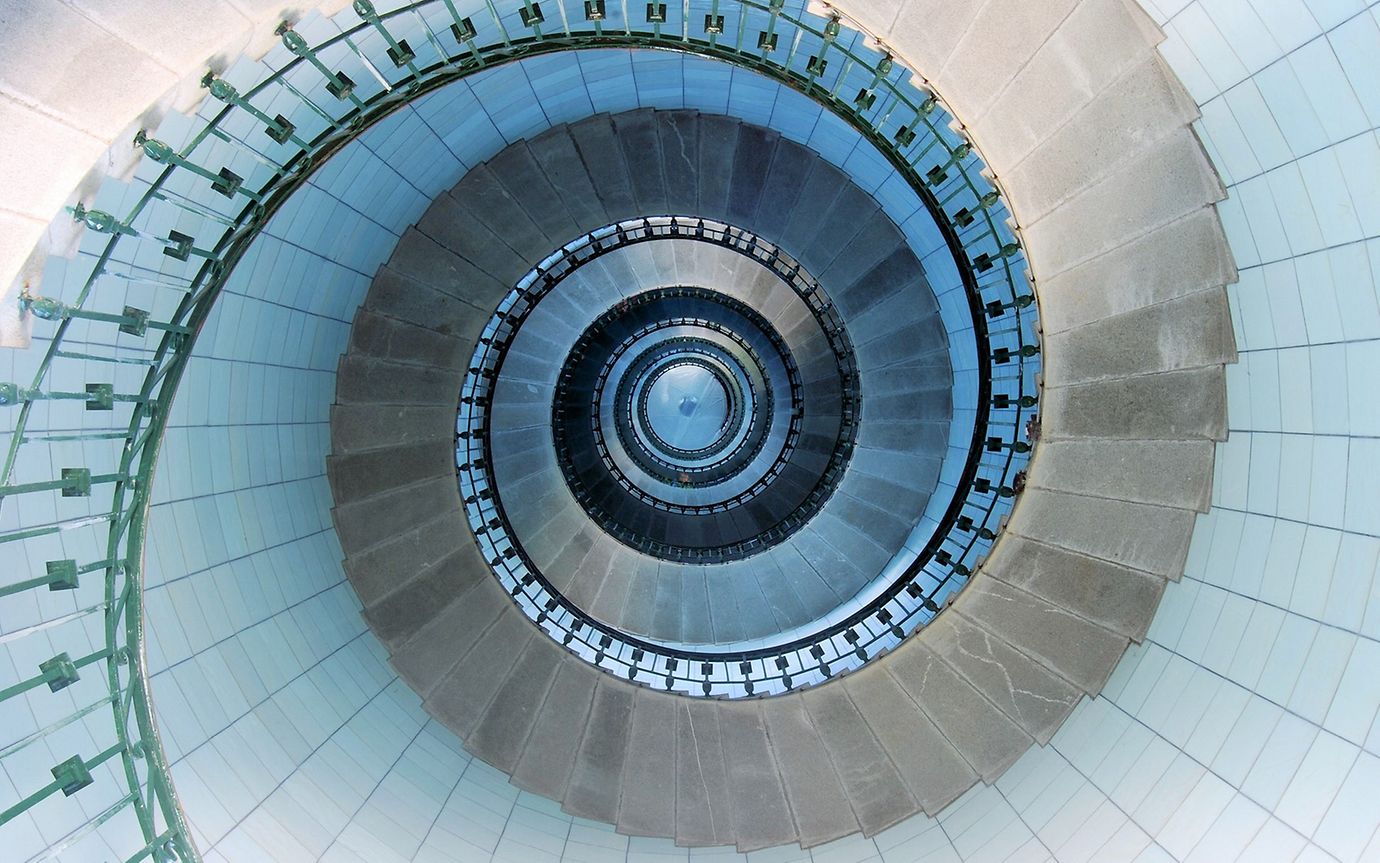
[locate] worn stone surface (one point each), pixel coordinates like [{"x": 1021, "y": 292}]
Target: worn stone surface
[
  {"x": 751, "y": 160},
  {"x": 761, "y": 816},
  {"x": 438, "y": 646},
  {"x": 502, "y": 732},
  {"x": 641, "y": 144},
  {"x": 704, "y": 812},
  {"x": 1031, "y": 695},
  {"x": 1182, "y": 405},
  {"x": 718, "y": 135},
  {"x": 522, "y": 178},
  {"x": 399, "y": 614},
  {"x": 603, "y": 160},
  {"x": 875, "y": 791},
  {"x": 679, "y": 134},
  {"x": 460, "y": 698},
  {"x": 423, "y": 304},
  {"x": 452, "y": 221},
  {"x": 985, "y": 736},
  {"x": 389, "y": 338},
  {"x": 1141, "y": 536},
  {"x": 1180, "y": 258},
  {"x": 373, "y": 381},
  {"x": 384, "y": 566},
  {"x": 1167, "y": 473},
  {"x": 1165, "y": 183},
  {"x": 359, "y": 475},
  {"x": 593, "y": 788},
  {"x": 932, "y": 769},
  {"x": 1117, "y": 597},
  {"x": 356, "y": 427},
  {"x": 1092, "y": 55},
  {"x": 817, "y": 797},
  {"x": 649, "y": 770},
  {"x": 1186, "y": 332},
  {"x": 545, "y": 762},
  {"x": 1071, "y": 646},
  {"x": 1131, "y": 113},
  {"x": 560, "y": 160},
  {"x": 370, "y": 521}
]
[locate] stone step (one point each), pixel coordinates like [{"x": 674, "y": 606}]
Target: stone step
[
  {"x": 453, "y": 221},
  {"x": 1166, "y": 473},
  {"x": 364, "y": 523},
  {"x": 556, "y": 152},
  {"x": 362, "y": 379},
  {"x": 1181, "y": 405},
  {"x": 986, "y": 738},
  {"x": 790, "y": 164},
  {"x": 649, "y": 768},
  {"x": 424, "y": 259},
  {"x": 932, "y": 769},
  {"x": 704, "y": 808},
  {"x": 400, "y": 614},
  {"x": 592, "y": 790},
  {"x": 1141, "y": 536},
  {"x": 856, "y": 289},
  {"x": 679, "y": 139},
  {"x": 1161, "y": 185},
  {"x": 419, "y": 303},
  {"x": 1116, "y": 597},
  {"x": 878, "y": 796},
  {"x": 603, "y": 160},
  {"x": 1181, "y": 258},
  {"x": 877, "y": 240},
  {"x": 461, "y": 698},
  {"x": 1098, "y": 45},
  {"x": 718, "y": 138},
  {"x": 817, "y": 797},
  {"x": 381, "y": 568},
  {"x": 640, "y": 142},
  {"x": 971, "y": 82},
  {"x": 1182, "y": 333},
  {"x": 502, "y": 733},
  {"x": 523, "y": 180},
  {"x": 747, "y": 187},
  {"x": 1032, "y": 696},
  {"x": 427, "y": 657},
  {"x": 1074, "y": 648},
  {"x": 357, "y": 476},
  {"x": 359, "y": 427},
  {"x": 390, "y": 338},
  {"x": 1133, "y": 112},
  {"x": 761, "y": 814},
  {"x": 544, "y": 764}
]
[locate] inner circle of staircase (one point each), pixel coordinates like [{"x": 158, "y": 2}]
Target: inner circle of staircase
[{"x": 701, "y": 510}]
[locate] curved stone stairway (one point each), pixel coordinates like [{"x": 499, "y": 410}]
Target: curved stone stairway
[
  {"x": 1133, "y": 401},
  {"x": 1076, "y": 577}
]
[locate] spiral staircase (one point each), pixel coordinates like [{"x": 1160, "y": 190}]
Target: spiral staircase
[{"x": 415, "y": 569}]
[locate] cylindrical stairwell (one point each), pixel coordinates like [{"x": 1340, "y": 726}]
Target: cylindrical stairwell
[{"x": 1239, "y": 729}]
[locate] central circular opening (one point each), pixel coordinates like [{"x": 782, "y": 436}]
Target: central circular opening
[{"x": 688, "y": 406}]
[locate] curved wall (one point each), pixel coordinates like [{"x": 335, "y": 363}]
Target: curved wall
[{"x": 1245, "y": 726}]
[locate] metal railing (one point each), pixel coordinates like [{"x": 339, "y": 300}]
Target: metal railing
[{"x": 127, "y": 360}]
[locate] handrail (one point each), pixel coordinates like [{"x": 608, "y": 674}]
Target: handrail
[{"x": 798, "y": 49}]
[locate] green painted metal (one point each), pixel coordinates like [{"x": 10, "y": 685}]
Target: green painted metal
[{"x": 886, "y": 109}]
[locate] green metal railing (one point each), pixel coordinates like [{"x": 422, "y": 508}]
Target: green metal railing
[{"x": 397, "y": 55}]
